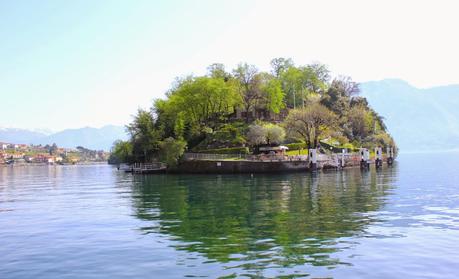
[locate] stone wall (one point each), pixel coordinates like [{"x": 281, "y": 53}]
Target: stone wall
[{"x": 208, "y": 166}]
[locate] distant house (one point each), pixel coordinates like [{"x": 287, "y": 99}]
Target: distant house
[
  {"x": 41, "y": 158},
  {"x": 23, "y": 147},
  {"x": 13, "y": 146},
  {"x": 4, "y": 146}
]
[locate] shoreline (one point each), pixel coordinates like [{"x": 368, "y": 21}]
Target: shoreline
[{"x": 50, "y": 165}]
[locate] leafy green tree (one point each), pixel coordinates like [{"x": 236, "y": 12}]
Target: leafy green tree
[
  {"x": 121, "y": 152},
  {"x": 179, "y": 128},
  {"x": 144, "y": 136},
  {"x": 203, "y": 100},
  {"x": 360, "y": 121},
  {"x": 339, "y": 94},
  {"x": 217, "y": 70},
  {"x": 272, "y": 94},
  {"x": 291, "y": 80},
  {"x": 170, "y": 151}
]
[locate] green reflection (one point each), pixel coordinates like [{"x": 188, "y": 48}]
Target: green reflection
[{"x": 264, "y": 220}]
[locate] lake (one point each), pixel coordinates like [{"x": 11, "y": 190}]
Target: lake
[{"x": 94, "y": 221}]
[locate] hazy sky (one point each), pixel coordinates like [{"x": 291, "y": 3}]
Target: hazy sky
[{"x": 68, "y": 64}]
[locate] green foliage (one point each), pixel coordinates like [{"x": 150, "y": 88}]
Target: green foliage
[
  {"x": 230, "y": 133},
  {"x": 296, "y": 146},
  {"x": 207, "y": 112},
  {"x": 360, "y": 121},
  {"x": 267, "y": 133},
  {"x": 121, "y": 152},
  {"x": 256, "y": 135},
  {"x": 144, "y": 136},
  {"x": 274, "y": 95},
  {"x": 310, "y": 124},
  {"x": 232, "y": 150},
  {"x": 300, "y": 82},
  {"x": 170, "y": 151},
  {"x": 274, "y": 134},
  {"x": 179, "y": 128}
]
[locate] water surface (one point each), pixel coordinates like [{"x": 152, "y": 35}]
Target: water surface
[{"x": 93, "y": 221}]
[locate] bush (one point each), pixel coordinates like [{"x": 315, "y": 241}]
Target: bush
[
  {"x": 232, "y": 150},
  {"x": 170, "y": 150},
  {"x": 296, "y": 146}
]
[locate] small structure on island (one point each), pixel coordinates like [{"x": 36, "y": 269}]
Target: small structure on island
[
  {"x": 390, "y": 155},
  {"x": 378, "y": 157},
  {"x": 312, "y": 159},
  {"x": 272, "y": 150},
  {"x": 364, "y": 158}
]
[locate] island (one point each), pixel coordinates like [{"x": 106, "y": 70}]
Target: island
[{"x": 292, "y": 117}]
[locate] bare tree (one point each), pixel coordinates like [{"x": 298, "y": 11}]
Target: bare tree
[{"x": 311, "y": 123}]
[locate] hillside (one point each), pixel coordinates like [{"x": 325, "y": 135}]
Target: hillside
[{"x": 418, "y": 119}]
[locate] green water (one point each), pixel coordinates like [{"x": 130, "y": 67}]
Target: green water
[{"x": 93, "y": 221}]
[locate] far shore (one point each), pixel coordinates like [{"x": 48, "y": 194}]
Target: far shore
[{"x": 50, "y": 165}]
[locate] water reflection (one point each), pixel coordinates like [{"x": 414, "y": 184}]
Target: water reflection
[{"x": 252, "y": 223}]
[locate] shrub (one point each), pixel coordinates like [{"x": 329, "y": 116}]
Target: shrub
[
  {"x": 296, "y": 146},
  {"x": 232, "y": 150}
]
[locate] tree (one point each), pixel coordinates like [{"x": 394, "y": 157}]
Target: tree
[
  {"x": 249, "y": 86},
  {"x": 53, "y": 149},
  {"x": 339, "y": 95},
  {"x": 274, "y": 134},
  {"x": 144, "y": 136},
  {"x": 310, "y": 124},
  {"x": 203, "y": 100},
  {"x": 217, "y": 70},
  {"x": 256, "y": 135},
  {"x": 300, "y": 82},
  {"x": 170, "y": 151},
  {"x": 360, "y": 122},
  {"x": 121, "y": 152},
  {"x": 272, "y": 94},
  {"x": 291, "y": 80},
  {"x": 280, "y": 65}
]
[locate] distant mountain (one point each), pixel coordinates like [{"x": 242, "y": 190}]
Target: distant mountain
[
  {"x": 20, "y": 135},
  {"x": 419, "y": 119},
  {"x": 92, "y": 138}
]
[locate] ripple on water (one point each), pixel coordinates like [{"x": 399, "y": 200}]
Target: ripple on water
[{"x": 92, "y": 221}]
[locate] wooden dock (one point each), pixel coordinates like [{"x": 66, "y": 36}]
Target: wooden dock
[{"x": 148, "y": 168}]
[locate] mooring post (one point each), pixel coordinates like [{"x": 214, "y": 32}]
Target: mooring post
[
  {"x": 343, "y": 157},
  {"x": 364, "y": 158},
  {"x": 312, "y": 159},
  {"x": 390, "y": 155},
  {"x": 378, "y": 157}
]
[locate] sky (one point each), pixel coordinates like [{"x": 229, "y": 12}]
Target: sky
[{"x": 71, "y": 64}]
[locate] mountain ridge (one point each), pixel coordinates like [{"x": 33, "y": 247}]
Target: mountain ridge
[
  {"x": 419, "y": 119},
  {"x": 89, "y": 137}
]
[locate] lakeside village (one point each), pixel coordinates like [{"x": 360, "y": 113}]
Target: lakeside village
[
  {"x": 24, "y": 154},
  {"x": 291, "y": 118}
]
